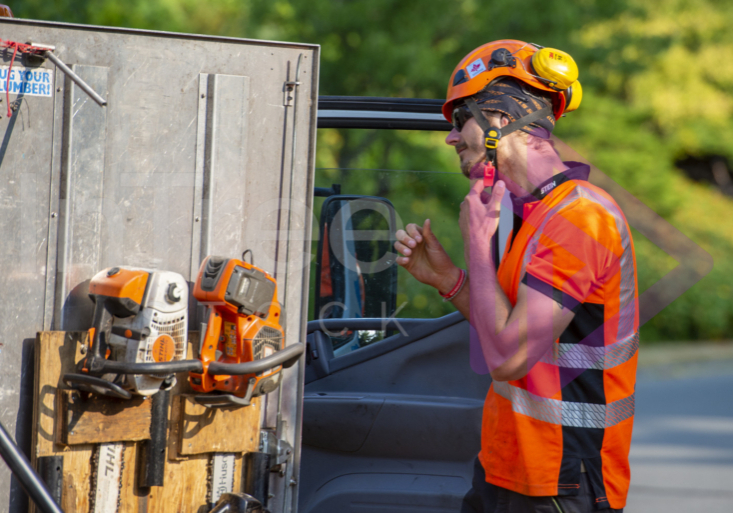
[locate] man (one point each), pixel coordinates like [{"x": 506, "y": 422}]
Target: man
[{"x": 556, "y": 323}]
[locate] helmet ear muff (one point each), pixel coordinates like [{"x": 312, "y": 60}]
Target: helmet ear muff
[
  {"x": 555, "y": 67},
  {"x": 573, "y": 96}
]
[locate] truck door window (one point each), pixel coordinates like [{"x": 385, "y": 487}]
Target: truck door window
[{"x": 418, "y": 173}]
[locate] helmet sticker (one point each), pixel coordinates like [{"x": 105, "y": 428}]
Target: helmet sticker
[{"x": 475, "y": 68}]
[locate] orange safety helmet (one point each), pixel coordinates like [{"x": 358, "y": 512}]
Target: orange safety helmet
[{"x": 546, "y": 69}]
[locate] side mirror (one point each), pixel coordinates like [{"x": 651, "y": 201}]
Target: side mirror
[{"x": 356, "y": 272}]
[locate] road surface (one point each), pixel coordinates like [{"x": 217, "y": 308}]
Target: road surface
[{"x": 682, "y": 448}]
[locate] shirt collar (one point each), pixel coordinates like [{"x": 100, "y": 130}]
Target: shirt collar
[{"x": 575, "y": 171}]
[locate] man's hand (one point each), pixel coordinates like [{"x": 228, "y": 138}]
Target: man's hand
[
  {"x": 480, "y": 218},
  {"x": 424, "y": 257}
]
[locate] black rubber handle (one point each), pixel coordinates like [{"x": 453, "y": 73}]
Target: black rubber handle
[
  {"x": 95, "y": 385},
  {"x": 111, "y": 366},
  {"x": 285, "y": 357}
]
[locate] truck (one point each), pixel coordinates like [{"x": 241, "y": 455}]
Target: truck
[{"x": 135, "y": 148}]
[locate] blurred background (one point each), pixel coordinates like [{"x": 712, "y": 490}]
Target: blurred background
[{"x": 658, "y": 98}]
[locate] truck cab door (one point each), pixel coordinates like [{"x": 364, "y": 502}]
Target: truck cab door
[{"x": 392, "y": 410}]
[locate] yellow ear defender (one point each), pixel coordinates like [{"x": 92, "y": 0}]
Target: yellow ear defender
[
  {"x": 559, "y": 71},
  {"x": 573, "y": 95}
]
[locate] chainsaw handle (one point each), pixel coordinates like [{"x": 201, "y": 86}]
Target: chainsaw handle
[
  {"x": 95, "y": 385},
  {"x": 285, "y": 357},
  {"x": 113, "y": 367}
]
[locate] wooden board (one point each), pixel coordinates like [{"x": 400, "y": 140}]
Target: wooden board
[
  {"x": 97, "y": 420},
  {"x": 205, "y": 430},
  {"x": 56, "y": 353},
  {"x": 186, "y": 476}
]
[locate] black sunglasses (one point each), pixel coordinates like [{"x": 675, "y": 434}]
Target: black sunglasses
[{"x": 460, "y": 116}]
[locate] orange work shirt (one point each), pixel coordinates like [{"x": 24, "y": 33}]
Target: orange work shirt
[{"x": 571, "y": 242}]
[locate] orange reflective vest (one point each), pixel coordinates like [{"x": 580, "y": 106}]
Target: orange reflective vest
[{"x": 577, "y": 403}]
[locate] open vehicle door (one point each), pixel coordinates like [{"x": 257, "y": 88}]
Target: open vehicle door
[{"x": 392, "y": 422}]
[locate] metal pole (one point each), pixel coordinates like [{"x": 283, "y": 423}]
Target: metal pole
[
  {"x": 76, "y": 79},
  {"x": 280, "y": 435},
  {"x": 295, "y": 84},
  {"x": 29, "y": 480}
]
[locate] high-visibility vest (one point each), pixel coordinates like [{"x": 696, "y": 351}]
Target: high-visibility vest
[{"x": 577, "y": 403}]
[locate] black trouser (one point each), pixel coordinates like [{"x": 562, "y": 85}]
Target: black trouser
[{"x": 485, "y": 497}]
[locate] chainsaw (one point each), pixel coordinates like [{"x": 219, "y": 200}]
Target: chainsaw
[
  {"x": 243, "y": 330},
  {"x": 140, "y": 317},
  {"x": 241, "y": 350}
]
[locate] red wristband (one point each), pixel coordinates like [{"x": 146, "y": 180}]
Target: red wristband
[{"x": 456, "y": 288}]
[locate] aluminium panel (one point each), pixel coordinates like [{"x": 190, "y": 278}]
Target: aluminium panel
[{"x": 191, "y": 155}]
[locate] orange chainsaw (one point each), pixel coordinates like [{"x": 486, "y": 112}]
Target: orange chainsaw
[{"x": 242, "y": 349}]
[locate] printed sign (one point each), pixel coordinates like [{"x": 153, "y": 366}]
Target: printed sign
[{"x": 26, "y": 81}]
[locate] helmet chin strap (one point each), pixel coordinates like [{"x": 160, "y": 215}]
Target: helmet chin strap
[{"x": 492, "y": 135}]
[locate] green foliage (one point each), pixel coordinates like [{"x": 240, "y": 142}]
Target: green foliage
[{"x": 658, "y": 84}]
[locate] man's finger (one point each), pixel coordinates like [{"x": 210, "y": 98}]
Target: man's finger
[
  {"x": 477, "y": 187},
  {"x": 401, "y": 248},
  {"x": 404, "y": 238},
  {"x": 427, "y": 231},
  {"x": 497, "y": 194},
  {"x": 493, "y": 203},
  {"x": 414, "y": 232}
]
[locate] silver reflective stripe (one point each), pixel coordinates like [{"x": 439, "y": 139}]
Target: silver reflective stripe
[
  {"x": 580, "y": 356},
  {"x": 566, "y": 413},
  {"x": 583, "y": 415},
  {"x": 575, "y": 356},
  {"x": 526, "y": 403},
  {"x": 621, "y": 351}
]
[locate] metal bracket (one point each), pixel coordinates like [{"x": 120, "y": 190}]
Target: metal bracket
[
  {"x": 288, "y": 88},
  {"x": 278, "y": 449},
  {"x": 48, "y": 53}
]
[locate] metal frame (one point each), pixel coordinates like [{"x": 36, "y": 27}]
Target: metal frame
[{"x": 387, "y": 113}]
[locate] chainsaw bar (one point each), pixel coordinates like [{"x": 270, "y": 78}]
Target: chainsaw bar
[
  {"x": 221, "y": 476},
  {"x": 107, "y": 466}
]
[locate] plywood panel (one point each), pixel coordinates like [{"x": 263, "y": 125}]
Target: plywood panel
[
  {"x": 97, "y": 420},
  {"x": 55, "y": 354},
  {"x": 206, "y": 430}
]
